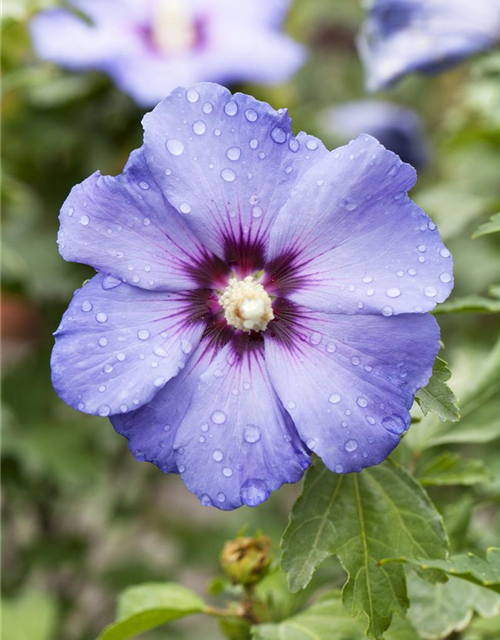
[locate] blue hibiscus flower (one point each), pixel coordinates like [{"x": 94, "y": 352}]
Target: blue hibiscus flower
[
  {"x": 402, "y": 36},
  {"x": 149, "y": 47},
  {"x": 399, "y": 129},
  {"x": 258, "y": 298}
]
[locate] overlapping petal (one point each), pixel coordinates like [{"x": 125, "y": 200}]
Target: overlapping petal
[
  {"x": 349, "y": 239},
  {"x": 123, "y": 226},
  {"x": 348, "y": 382},
  {"x": 227, "y": 163},
  {"x": 118, "y": 345},
  {"x": 236, "y": 443},
  {"x": 401, "y": 36}
]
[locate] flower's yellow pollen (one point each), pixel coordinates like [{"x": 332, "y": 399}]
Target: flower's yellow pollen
[
  {"x": 174, "y": 30},
  {"x": 246, "y": 305}
]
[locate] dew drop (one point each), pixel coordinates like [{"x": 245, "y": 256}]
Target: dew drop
[
  {"x": 158, "y": 382},
  {"x": 108, "y": 368},
  {"x": 430, "y": 291},
  {"x": 422, "y": 248},
  {"x": 278, "y": 135},
  {"x": 103, "y": 342},
  {"x": 176, "y": 147},
  {"x": 84, "y": 220},
  {"x": 362, "y": 402},
  {"x": 120, "y": 357},
  {"x": 331, "y": 347},
  {"x": 445, "y": 277},
  {"x": 104, "y": 410},
  {"x": 217, "y": 455},
  {"x": 351, "y": 445},
  {"x": 101, "y": 317},
  {"x": 251, "y": 115},
  {"x": 253, "y": 492},
  {"x": 387, "y": 311},
  {"x": 311, "y": 144},
  {"x": 87, "y": 305},
  {"x": 393, "y": 292},
  {"x": 355, "y": 361},
  {"x": 231, "y": 108},
  {"x": 184, "y": 207},
  {"x": 144, "y": 185},
  {"x": 338, "y": 468},
  {"x": 205, "y": 500},
  {"x": 186, "y": 346},
  {"x": 335, "y": 398},
  {"x": 227, "y": 472},
  {"x": 143, "y": 334},
  {"x": 257, "y": 212},
  {"x": 311, "y": 443},
  {"x": 394, "y": 424},
  {"x": 207, "y": 107},
  {"x": 199, "y": 127},
  {"x": 315, "y": 338},
  {"x": 160, "y": 352},
  {"x": 228, "y": 175},
  {"x": 251, "y": 433},
  {"x": 218, "y": 417},
  {"x": 445, "y": 253},
  {"x": 192, "y": 95},
  {"x": 254, "y": 143},
  {"x": 221, "y": 497},
  {"x": 233, "y": 153}
]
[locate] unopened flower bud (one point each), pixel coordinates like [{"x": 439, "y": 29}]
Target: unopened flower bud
[{"x": 246, "y": 560}]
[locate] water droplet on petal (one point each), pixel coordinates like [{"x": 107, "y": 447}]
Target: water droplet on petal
[
  {"x": 311, "y": 144},
  {"x": 218, "y": 417},
  {"x": 144, "y": 185},
  {"x": 278, "y": 135},
  {"x": 158, "y": 382},
  {"x": 205, "y": 500},
  {"x": 143, "y": 334},
  {"x": 430, "y": 291},
  {"x": 228, "y": 175},
  {"x": 221, "y": 497},
  {"x": 445, "y": 253},
  {"x": 335, "y": 398},
  {"x": 355, "y": 361},
  {"x": 103, "y": 342},
  {"x": 217, "y": 455},
  {"x": 233, "y": 153},
  {"x": 192, "y": 95},
  {"x": 199, "y": 127},
  {"x": 445, "y": 277},
  {"x": 160, "y": 352},
  {"x": 254, "y": 143},
  {"x": 84, "y": 220},
  {"x": 101, "y": 317},
  {"x": 311, "y": 443},
  {"x": 87, "y": 305},
  {"x": 104, "y": 410},
  {"x": 351, "y": 445},
  {"x": 251, "y": 433},
  {"x": 253, "y": 492},
  {"x": 251, "y": 115},
  {"x": 120, "y": 357},
  {"x": 394, "y": 424},
  {"x": 184, "y": 207},
  {"x": 231, "y": 108},
  {"x": 176, "y": 147},
  {"x": 362, "y": 402},
  {"x": 186, "y": 346},
  {"x": 207, "y": 107},
  {"x": 393, "y": 292},
  {"x": 387, "y": 311},
  {"x": 338, "y": 468},
  {"x": 257, "y": 212}
]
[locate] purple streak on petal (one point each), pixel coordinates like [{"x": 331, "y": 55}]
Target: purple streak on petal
[
  {"x": 348, "y": 382},
  {"x": 123, "y": 226},
  {"x": 236, "y": 444},
  {"x": 402, "y": 36},
  {"x": 117, "y": 345},
  {"x": 350, "y": 240},
  {"x": 228, "y": 164}
]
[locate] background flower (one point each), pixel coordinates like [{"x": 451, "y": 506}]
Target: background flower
[
  {"x": 223, "y": 194},
  {"x": 401, "y": 36},
  {"x": 149, "y": 47},
  {"x": 399, "y": 129}
]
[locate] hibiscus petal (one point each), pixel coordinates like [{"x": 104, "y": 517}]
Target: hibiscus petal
[
  {"x": 350, "y": 240},
  {"x": 349, "y": 382},
  {"x": 227, "y": 163},
  {"x": 118, "y": 345},
  {"x": 401, "y": 36},
  {"x": 68, "y": 39},
  {"x": 236, "y": 443},
  {"x": 123, "y": 226}
]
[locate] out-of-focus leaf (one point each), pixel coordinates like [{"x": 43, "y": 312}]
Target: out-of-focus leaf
[
  {"x": 438, "y": 610},
  {"x": 361, "y": 518},
  {"x": 450, "y": 469},
  {"x": 147, "y": 606},
  {"x": 492, "y": 226},
  {"x": 484, "y": 573},
  {"x": 479, "y": 408},
  {"x": 468, "y": 304},
  {"x": 483, "y": 629},
  {"x": 33, "y": 615},
  {"x": 437, "y": 397},
  {"x": 327, "y": 620}
]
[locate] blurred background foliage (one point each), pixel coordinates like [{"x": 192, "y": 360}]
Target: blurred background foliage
[{"x": 82, "y": 519}]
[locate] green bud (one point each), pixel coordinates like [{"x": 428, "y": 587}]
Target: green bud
[{"x": 246, "y": 560}]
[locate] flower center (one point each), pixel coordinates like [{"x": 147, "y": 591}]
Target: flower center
[
  {"x": 174, "y": 30},
  {"x": 246, "y": 305}
]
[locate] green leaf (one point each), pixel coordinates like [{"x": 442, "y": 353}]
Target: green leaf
[
  {"x": 438, "y": 610},
  {"x": 492, "y": 226},
  {"x": 468, "y": 304},
  {"x": 484, "y": 573},
  {"x": 437, "y": 397},
  {"x": 327, "y": 620},
  {"x": 451, "y": 469},
  {"x": 361, "y": 518},
  {"x": 33, "y": 616},
  {"x": 150, "y": 605}
]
